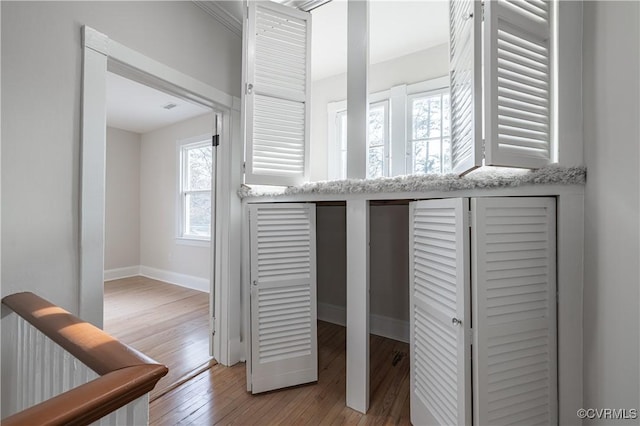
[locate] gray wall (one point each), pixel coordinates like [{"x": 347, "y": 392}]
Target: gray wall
[
  {"x": 389, "y": 259},
  {"x": 122, "y": 206},
  {"x": 612, "y": 140},
  {"x": 159, "y": 247},
  {"x": 41, "y": 88}
]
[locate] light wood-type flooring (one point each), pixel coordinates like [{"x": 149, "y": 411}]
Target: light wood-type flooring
[
  {"x": 218, "y": 394},
  {"x": 163, "y": 321}
]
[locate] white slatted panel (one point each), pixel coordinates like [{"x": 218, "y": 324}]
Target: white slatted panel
[
  {"x": 283, "y": 295},
  {"x": 277, "y": 105},
  {"x": 41, "y": 369},
  {"x": 515, "y": 351},
  {"x": 518, "y": 73},
  {"x": 278, "y": 137},
  {"x": 440, "y": 349},
  {"x": 466, "y": 107}
]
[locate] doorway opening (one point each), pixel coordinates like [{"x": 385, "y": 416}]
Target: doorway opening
[{"x": 160, "y": 180}]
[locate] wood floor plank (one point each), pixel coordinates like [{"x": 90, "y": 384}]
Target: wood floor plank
[
  {"x": 219, "y": 396},
  {"x": 170, "y": 324},
  {"x": 166, "y": 322}
]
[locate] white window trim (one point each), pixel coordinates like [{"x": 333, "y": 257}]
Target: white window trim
[
  {"x": 397, "y": 98},
  {"x": 181, "y": 146},
  {"x": 409, "y": 124},
  {"x": 386, "y": 165}
]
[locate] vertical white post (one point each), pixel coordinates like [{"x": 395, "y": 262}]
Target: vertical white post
[
  {"x": 570, "y": 252},
  {"x": 358, "y": 305},
  {"x": 357, "y": 88},
  {"x": 92, "y": 199}
]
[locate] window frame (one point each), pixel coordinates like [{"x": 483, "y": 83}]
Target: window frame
[
  {"x": 183, "y": 146},
  {"x": 386, "y": 143},
  {"x": 396, "y": 98},
  {"x": 409, "y": 123}
]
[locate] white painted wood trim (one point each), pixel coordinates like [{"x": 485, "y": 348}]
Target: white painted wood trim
[
  {"x": 357, "y": 88},
  {"x": 398, "y": 129},
  {"x": 134, "y": 65},
  {"x": 119, "y": 273},
  {"x": 568, "y": 130},
  {"x": 176, "y": 278},
  {"x": 380, "y": 325},
  {"x": 179, "y": 83},
  {"x": 92, "y": 175},
  {"x": 221, "y": 15},
  {"x": 358, "y": 305},
  {"x": 570, "y": 282}
]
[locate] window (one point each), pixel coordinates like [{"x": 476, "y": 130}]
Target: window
[
  {"x": 429, "y": 133},
  {"x": 409, "y": 131},
  {"x": 378, "y": 150},
  {"x": 196, "y": 170}
]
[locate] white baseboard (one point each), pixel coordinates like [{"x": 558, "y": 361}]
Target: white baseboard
[
  {"x": 379, "y": 325},
  {"x": 118, "y": 273},
  {"x": 188, "y": 281},
  {"x": 332, "y": 313}
]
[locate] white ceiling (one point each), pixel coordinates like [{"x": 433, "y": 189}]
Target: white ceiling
[
  {"x": 138, "y": 108},
  {"x": 396, "y": 28}
]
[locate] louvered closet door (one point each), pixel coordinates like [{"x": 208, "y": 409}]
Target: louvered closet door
[
  {"x": 517, "y": 85},
  {"x": 277, "y": 94},
  {"x": 514, "y": 276},
  {"x": 284, "y": 348},
  {"x": 440, "y": 317},
  {"x": 466, "y": 89}
]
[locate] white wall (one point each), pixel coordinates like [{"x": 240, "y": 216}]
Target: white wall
[
  {"x": 423, "y": 65},
  {"x": 41, "y": 89},
  {"x": 612, "y": 140},
  {"x": 159, "y": 248},
  {"x": 122, "y": 206}
]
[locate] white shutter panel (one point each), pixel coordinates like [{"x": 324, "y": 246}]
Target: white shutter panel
[
  {"x": 466, "y": 89},
  {"x": 518, "y": 83},
  {"x": 514, "y": 273},
  {"x": 284, "y": 347},
  {"x": 277, "y": 94},
  {"x": 440, "y": 347}
]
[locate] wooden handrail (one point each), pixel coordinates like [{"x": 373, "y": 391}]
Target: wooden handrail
[{"x": 126, "y": 374}]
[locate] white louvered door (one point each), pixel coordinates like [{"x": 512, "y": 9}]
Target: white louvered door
[
  {"x": 517, "y": 83},
  {"x": 439, "y": 312},
  {"x": 514, "y": 273},
  {"x": 277, "y": 94},
  {"x": 284, "y": 347},
  {"x": 466, "y": 84}
]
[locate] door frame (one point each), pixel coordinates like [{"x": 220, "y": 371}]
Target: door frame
[{"x": 101, "y": 54}]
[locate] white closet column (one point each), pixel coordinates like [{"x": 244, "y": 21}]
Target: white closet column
[
  {"x": 358, "y": 305},
  {"x": 357, "y": 88}
]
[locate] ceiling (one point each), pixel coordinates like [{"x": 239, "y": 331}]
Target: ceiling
[
  {"x": 138, "y": 108},
  {"x": 396, "y": 28}
]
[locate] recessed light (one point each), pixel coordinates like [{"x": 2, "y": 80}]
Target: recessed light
[{"x": 170, "y": 105}]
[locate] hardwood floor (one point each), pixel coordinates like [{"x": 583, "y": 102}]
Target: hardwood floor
[
  {"x": 165, "y": 322},
  {"x": 219, "y": 396},
  {"x": 169, "y": 324}
]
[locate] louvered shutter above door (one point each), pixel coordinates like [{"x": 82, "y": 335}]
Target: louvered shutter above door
[
  {"x": 277, "y": 93},
  {"x": 514, "y": 293},
  {"x": 284, "y": 349},
  {"x": 440, "y": 359},
  {"x": 517, "y": 83},
  {"x": 466, "y": 85}
]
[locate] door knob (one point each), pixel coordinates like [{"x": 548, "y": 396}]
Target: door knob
[{"x": 456, "y": 321}]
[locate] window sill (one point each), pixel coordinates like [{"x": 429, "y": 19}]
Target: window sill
[{"x": 194, "y": 242}]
